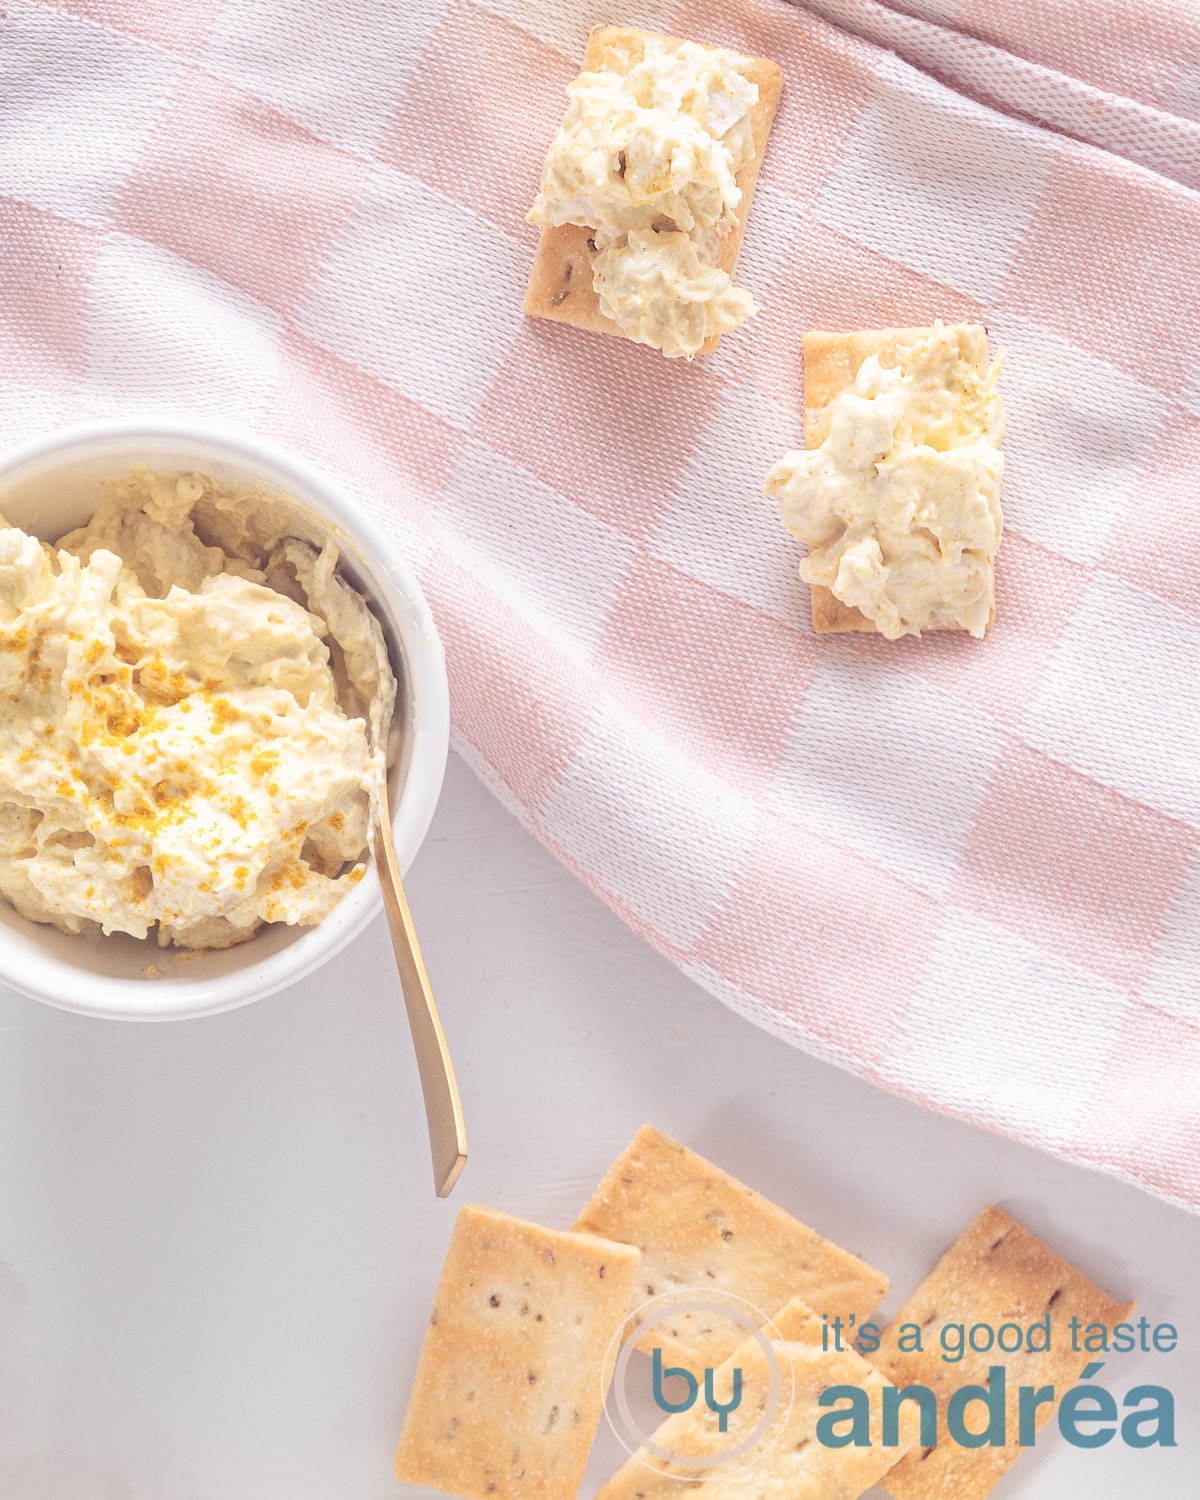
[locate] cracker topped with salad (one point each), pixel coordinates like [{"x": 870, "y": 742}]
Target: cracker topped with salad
[{"x": 646, "y": 189}]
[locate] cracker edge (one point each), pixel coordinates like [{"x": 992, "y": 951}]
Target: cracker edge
[
  {"x": 831, "y": 361},
  {"x": 989, "y": 1225},
  {"x": 796, "y": 1323},
  {"x": 650, "y": 1135},
  {"x": 472, "y": 1220},
  {"x": 560, "y": 280}
]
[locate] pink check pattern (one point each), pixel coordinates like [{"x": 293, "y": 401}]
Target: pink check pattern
[{"x": 968, "y": 872}]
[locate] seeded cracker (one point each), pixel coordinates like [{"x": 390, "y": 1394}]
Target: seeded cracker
[
  {"x": 697, "y": 1227},
  {"x": 995, "y": 1273},
  {"x": 788, "y": 1462},
  {"x": 560, "y": 283},
  {"x": 508, "y": 1389},
  {"x": 831, "y": 362}
]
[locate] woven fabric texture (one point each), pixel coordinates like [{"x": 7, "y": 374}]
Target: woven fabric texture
[{"x": 967, "y": 871}]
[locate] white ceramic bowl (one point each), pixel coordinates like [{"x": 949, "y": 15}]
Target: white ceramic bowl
[{"x": 51, "y": 485}]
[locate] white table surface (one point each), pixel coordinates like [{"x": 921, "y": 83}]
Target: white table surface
[{"x": 218, "y": 1241}]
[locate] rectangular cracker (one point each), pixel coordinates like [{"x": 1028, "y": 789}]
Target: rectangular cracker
[
  {"x": 788, "y": 1461},
  {"x": 997, "y": 1272},
  {"x": 697, "y": 1227},
  {"x": 831, "y": 362},
  {"x": 508, "y": 1390},
  {"x": 560, "y": 283}
]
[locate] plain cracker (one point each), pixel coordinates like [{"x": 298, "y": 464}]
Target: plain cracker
[
  {"x": 831, "y": 362},
  {"x": 788, "y": 1460},
  {"x": 508, "y": 1389},
  {"x": 996, "y": 1272},
  {"x": 560, "y": 283},
  {"x": 698, "y": 1227}
]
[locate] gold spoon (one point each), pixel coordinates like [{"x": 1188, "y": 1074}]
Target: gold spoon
[
  {"x": 443, "y": 1107},
  {"x": 330, "y": 596}
]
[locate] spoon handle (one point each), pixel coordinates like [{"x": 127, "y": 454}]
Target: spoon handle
[{"x": 443, "y": 1107}]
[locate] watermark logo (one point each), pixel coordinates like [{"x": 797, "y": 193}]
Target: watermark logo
[
  {"x": 677, "y": 1416},
  {"x": 679, "y": 1372},
  {"x": 636, "y": 1407}
]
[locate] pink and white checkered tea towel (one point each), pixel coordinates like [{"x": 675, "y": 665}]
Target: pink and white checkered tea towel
[{"x": 968, "y": 871}]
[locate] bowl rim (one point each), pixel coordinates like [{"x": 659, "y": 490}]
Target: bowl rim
[{"x": 43, "y": 977}]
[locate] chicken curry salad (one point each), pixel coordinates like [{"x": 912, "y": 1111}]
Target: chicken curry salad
[
  {"x": 194, "y": 715},
  {"x": 656, "y": 158}
]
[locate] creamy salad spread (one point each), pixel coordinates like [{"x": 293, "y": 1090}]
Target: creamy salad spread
[
  {"x": 647, "y": 158},
  {"x": 900, "y": 505},
  {"x": 193, "y": 718}
]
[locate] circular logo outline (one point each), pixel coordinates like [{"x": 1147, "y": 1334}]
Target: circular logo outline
[{"x": 692, "y": 1299}]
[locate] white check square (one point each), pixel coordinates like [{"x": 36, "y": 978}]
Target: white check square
[
  {"x": 718, "y": 525},
  {"x": 936, "y": 181},
  {"x": 970, "y": 1042},
  {"x": 338, "y": 68},
  {"x": 63, "y": 145},
  {"x": 1118, "y": 698},
  {"x": 533, "y": 546},
  {"x": 882, "y": 762},
  {"x": 1172, "y": 981},
  {"x": 164, "y": 335},
  {"x": 1077, "y": 436},
  {"x": 626, "y": 810},
  {"x": 389, "y": 297}
]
